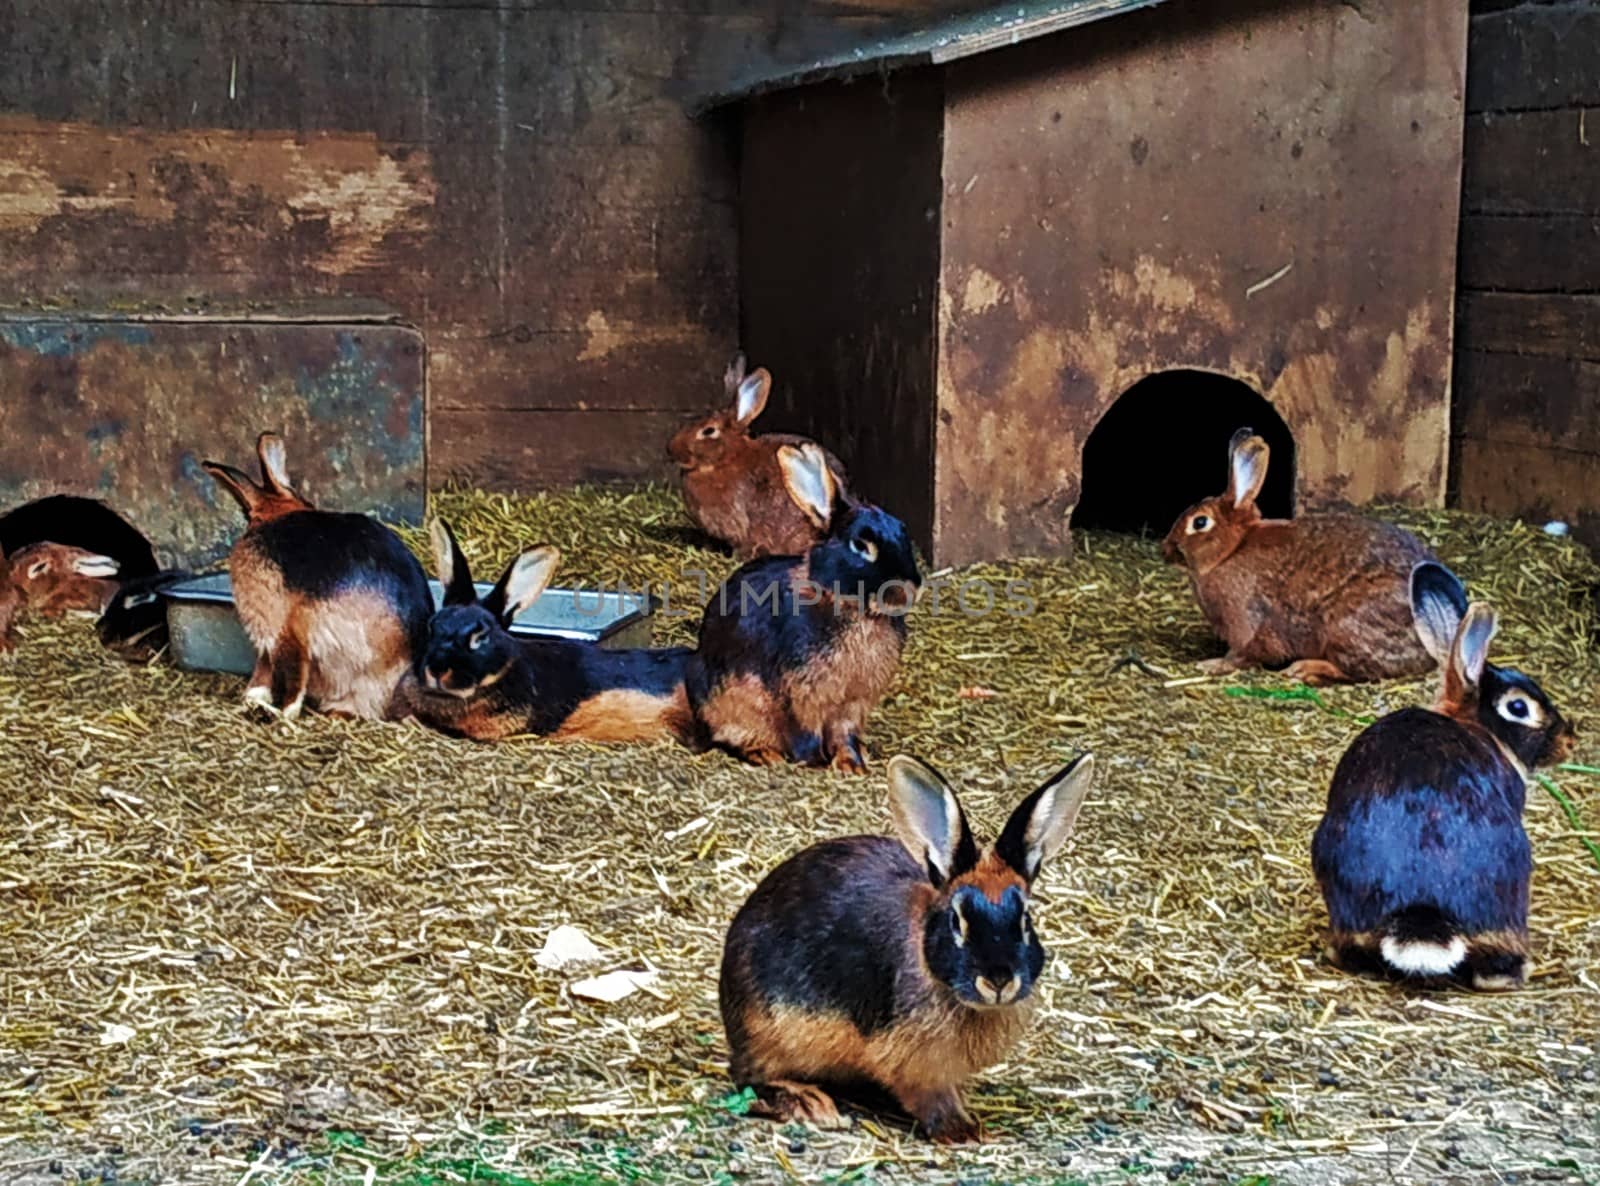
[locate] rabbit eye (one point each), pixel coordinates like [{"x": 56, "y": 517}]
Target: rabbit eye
[
  {"x": 958, "y": 925},
  {"x": 139, "y": 599},
  {"x": 864, "y": 548},
  {"x": 37, "y": 569},
  {"x": 1517, "y": 709},
  {"x": 1200, "y": 523},
  {"x": 479, "y": 637},
  {"x": 708, "y": 432}
]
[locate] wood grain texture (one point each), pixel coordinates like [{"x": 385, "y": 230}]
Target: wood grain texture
[
  {"x": 1526, "y": 418},
  {"x": 840, "y": 239},
  {"x": 1548, "y": 253},
  {"x": 1532, "y": 162},
  {"x": 1533, "y": 57},
  {"x": 1558, "y": 326},
  {"x": 517, "y": 177},
  {"x": 1096, "y": 232}
]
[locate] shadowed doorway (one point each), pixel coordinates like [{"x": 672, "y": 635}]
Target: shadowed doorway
[{"x": 1163, "y": 446}]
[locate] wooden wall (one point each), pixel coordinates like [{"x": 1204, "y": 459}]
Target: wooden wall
[
  {"x": 839, "y": 278},
  {"x": 516, "y": 177},
  {"x": 1527, "y": 377},
  {"x": 1290, "y": 223}
]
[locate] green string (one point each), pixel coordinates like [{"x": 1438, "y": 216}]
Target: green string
[
  {"x": 1299, "y": 693},
  {"x": 1570, "y": 810}
]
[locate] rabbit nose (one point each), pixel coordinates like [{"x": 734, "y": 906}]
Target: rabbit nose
[{"x": 996, "y": 991}]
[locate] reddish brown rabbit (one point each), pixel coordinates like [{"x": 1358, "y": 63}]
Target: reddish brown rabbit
[
  {"x": 1328, "y": 594},
  {"x": 334, "y": 603},
  {"x": 54, "y": 579},
  {"x": 732, "y": 485}
]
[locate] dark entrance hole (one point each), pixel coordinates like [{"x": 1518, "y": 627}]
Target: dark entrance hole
[{"x": 1163, "y": 446}]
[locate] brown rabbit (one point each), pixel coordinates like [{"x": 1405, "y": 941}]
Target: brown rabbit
[
  {"x": 732, "y": 485},
  {"x": 334, "y": 604},
  {"x": 1328, "y": 594},
  {"x": 54, "y": 578}
]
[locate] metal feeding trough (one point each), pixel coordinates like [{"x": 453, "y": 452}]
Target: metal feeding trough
[{"x": 206, "y": 635}]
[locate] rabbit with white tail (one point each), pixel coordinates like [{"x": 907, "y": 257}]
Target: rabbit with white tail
[{"x": 1422, "y": 856}]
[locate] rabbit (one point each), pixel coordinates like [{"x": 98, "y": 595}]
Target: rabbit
[
  {"x": 732, "y": 486},
  {"x": 1326, "y": 594},
  {"x": 474, "y": 679},
  {"x": 335, "y": 604},
  {"x": 795, "y": 651},
  {"x": 908, "y": 966},
  {"x": 11, "y": 604},
  {"x": 55, "y": 578},
  {"x": 79, "y": 523},
  {"x": 134, "y": 622},
  {"x": 1421, "y": 856}
]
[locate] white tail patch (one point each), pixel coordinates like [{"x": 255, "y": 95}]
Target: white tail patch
[{"x": 1420, "y": 958}]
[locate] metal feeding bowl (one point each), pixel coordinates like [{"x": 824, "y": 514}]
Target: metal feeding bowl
[{"x": 206, "y": 635}]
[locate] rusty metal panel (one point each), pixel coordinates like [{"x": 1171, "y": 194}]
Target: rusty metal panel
[
  {"x": 126, "y": 409},
  {"x": 1269, "y": 192}
]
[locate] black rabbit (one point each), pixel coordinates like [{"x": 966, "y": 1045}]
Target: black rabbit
[
  {"x": 908, "y": 965},
  {"x": 1422, "y": 856},
  {"x": 474, "y": 679}
]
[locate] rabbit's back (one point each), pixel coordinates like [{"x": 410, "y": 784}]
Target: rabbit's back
[{"x": 1424, "y": 811}]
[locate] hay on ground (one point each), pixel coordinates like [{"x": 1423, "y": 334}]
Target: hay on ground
[{"x": 238, "y": 949}]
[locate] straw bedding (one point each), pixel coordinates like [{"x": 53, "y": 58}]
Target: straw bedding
[{"x": 243, "y": 950}]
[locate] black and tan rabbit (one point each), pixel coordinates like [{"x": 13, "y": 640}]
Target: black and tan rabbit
[
  {"x": 474, "y": 679},
  {"x": 334, "y": 604},
  {"x": 1421, "y": 856},
  {"x": 909, "y": 965},
  {"x": 795, "y": 651}
]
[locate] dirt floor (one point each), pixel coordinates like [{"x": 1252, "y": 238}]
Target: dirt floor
[{"x": 241, "y": 951}]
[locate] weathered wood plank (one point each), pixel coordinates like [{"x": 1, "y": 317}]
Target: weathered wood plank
[
  {"x": 1534, "y": 57},
  {"x": 604, "y": 366},
  {"x": 1551, "y": 403},
  {"x": 1529, "y": 482},
  {"x": 542, "y": 450},
  {"x": 1545, "y": 162},
  {"x": 1513, "y": 253},
  {"x": 1518, "y": 323},
  {"x": 127, "y": 411}
]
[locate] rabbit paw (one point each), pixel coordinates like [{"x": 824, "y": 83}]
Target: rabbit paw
[
  {"x": 792, "y": 1102},
  {"x": 763, "y": 757},
  {"x": 945, "y": 1119},
  {"x": 848, "y": 759},
  {"x": 1315, "y": 672},
  {"x": 1226, "y": 665}
]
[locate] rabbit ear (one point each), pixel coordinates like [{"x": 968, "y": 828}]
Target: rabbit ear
[
  {"x": 734, "y": 375},
  {"x": 1247, "y": 467},
  {"x": 810, "y": 482},
  {"x": 274, "y": 463},
  {"x": 929, "y": 820},
  {"x": 1469, "y": 655},
  {"x": 1438, "y": 604},
  {"x": 237, "y": 483},
  {"x": 98, "y": 567},
  {"x": 752, "y": 396},
  {"x": 451, "y": 566},
  {"x": 1044, "y": 820},
  {"x": 522, "y": 583}
]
